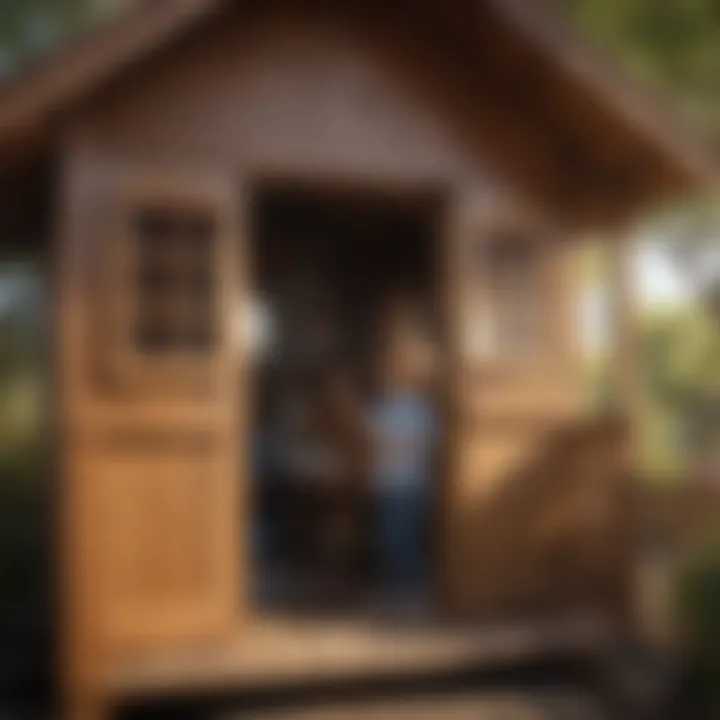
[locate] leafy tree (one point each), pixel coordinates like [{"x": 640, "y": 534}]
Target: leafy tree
[{"x": 679, "y": 356}]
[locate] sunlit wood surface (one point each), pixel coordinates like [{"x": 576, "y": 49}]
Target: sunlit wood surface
[{"x": 286, "y": 652}]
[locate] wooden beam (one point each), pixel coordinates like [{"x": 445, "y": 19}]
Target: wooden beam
[
  {"x": 626, "y": 394},
  {"x": 610, "y": 172},
  {"x": 501, "y": 134},
  {"x": 634, "y": 113},
  {"x": 43, "y": 90},
  {"x": 552, "y": 164},
  {"x": 522, "y": 79}
]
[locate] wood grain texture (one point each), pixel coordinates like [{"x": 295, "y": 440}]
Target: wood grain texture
[
  {"x": 535, "y": 488},
  {"x": 152, "y": 482},
  {"x": 155, "y": 518}
]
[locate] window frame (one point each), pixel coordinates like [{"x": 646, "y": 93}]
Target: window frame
[
  {"x": 532, "y": 230},
  {"x": 128, "y": 368}
]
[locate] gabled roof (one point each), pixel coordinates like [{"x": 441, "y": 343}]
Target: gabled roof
[
  {"x": 34, "y": 97},
  {"x": 671, "y": 160},
  {"x": 628, "y": 102}
]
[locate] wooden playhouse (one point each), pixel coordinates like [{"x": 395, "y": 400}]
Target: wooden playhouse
[{"x": 188, "y": 132}]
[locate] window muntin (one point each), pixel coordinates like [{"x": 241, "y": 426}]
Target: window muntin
[
  {"x": 512, "y": 297},
  {"x": 173, "y": 308}
]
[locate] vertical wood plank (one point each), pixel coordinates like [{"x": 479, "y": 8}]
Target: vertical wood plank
[{"x": 151, "y": 508}]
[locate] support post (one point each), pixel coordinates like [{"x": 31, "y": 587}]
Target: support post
[
  {"x": 624, "y": 378},
  {"x": 626, "y": 400}
]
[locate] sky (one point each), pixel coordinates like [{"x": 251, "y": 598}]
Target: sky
[{"x": 657, "y": 280}]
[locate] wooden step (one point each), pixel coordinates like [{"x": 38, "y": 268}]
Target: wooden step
[
  {"x": 285, "y": 652},
  {"x": 551, "y": 704}
]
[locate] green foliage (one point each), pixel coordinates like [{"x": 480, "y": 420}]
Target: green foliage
[
  {"x": 24, "y": 456},
  {"x": 679, "y": 414},
  {"x": 697, "y": 599},
  {"x": 680, "y": 355}
]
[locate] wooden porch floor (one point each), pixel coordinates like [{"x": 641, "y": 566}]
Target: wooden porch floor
[
  {"x": 288, "y": 652},
  {"x": 554, "y": 704}
]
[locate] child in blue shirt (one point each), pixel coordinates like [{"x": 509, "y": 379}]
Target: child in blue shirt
[{"x": 403, "y": 429}]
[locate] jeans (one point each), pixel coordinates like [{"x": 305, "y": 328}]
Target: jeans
[{"x": 401, "y": 519}]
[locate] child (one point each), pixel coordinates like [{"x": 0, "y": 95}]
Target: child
[{"x": 403, "y": 428}]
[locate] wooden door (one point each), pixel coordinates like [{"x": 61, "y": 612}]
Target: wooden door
[
  {"x": 152, "y": 409},
  {"x": 513, "y": 386}
]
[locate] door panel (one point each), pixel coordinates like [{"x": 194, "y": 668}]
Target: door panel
[
  {"x": 155, "y": 418},
  {"x": 158, "y": 510}
]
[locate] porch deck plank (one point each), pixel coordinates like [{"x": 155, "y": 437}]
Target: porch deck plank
[
  {"x": 285, "y": 652},
  {"x": 557, "y": 703}
]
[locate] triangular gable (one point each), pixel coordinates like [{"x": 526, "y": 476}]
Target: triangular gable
[{"x": 670, "y": 162}]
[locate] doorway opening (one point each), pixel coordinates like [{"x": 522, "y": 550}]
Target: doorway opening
[{"x": 339, "y": 278}]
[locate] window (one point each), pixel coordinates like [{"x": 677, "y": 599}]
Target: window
[
  {"x": 513, "y": 306},
  {"x": 171, "y": 266},
  {"x": 160, "y": 332}
]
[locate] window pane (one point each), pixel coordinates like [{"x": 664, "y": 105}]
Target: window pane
[
  {"x": 516, "y": 295},
  {"x": 173, "y": 281}
]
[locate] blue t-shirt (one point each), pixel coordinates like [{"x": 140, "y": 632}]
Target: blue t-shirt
[{"x": 403, "y": 429}]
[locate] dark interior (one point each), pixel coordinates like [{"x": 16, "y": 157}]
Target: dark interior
[{"x": 324, "y": 264}]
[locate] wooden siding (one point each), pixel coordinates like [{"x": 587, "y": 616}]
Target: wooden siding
[{"x": 319, "y": 101}]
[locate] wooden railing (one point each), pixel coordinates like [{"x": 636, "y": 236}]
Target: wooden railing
[
  {"x": 582, "y": 537},
  {"x": 554, "y": 533}
]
